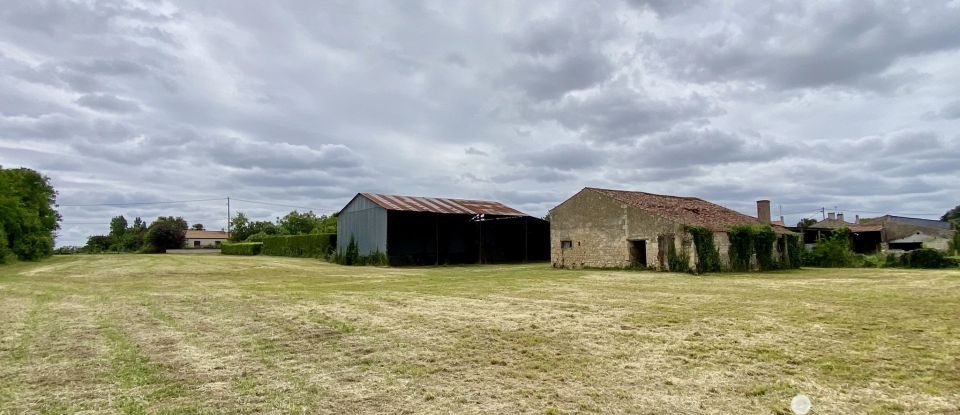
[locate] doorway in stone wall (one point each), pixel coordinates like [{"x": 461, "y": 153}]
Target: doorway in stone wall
[
  {"x": 638, "y": 253},
  {"x": 663, "y": 247}
]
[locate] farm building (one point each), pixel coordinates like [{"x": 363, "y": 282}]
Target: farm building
[
  {"x": 428, "y": 231},
  {"x": 617, "y": 228},
  {"x": 205, "y": 239},
  {"x": 885, "y": 233}
]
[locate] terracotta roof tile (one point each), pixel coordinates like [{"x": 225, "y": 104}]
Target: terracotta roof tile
[
  {"x": 686, "y": 210},
  {"x": 193, "y": 234}
]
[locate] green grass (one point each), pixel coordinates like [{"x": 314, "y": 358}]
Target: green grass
[{"x": 225, "y": 334}]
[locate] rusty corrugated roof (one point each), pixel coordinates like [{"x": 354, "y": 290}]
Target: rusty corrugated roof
[
  {"x": 686, "y": 210},
  {"x": 441, "y": 205}
]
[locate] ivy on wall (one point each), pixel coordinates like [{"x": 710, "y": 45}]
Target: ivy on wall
[{"x": 708, "y": 257}]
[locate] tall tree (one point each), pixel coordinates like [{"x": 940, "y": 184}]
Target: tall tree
[
  {"x": 165, "y": 233},
  {"x": 118, "y": 226},
  {"x": 952, "y": 215},
  {"x": 28, "y": 219},
  {"x": 197, "y": 227}
]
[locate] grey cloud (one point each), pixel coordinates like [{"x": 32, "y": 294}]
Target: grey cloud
[
  {"x": 108, "y": 103},
  {"x": 547, "y": 79},
  {"x": 561, "y": 157},
  {"x": 951, "y": 111},
  {"x": 244, "y": 153},
  {"x": 623, "y": 114},
  {"x": 476, "y": 152},
  {"x": 665, "y": 8},
  {"x": 852, "y": 43}
]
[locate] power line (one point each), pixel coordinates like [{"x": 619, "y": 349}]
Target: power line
[
  {"x": 139, "y": 203},
  {"x": 281, "y": 205}
]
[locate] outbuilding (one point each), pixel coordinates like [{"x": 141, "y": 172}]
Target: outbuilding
[
  {"x": 617, "y": 228},
  {"x": 205, "y": 239},
  {"x": 432, "y": 231}
]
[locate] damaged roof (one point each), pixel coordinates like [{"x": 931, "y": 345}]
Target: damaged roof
[
  {"x": 686, "y": 210},
  {"x": 441, "y": 205}
]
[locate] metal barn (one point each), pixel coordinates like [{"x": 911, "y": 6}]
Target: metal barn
[{"x": 432, "y": 231}]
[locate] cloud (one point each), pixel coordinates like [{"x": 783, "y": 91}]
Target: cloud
[
  {"x": 108, "y": 103},
  {"x": 305, "y": 103},
  {"x": 812, "y": 45}
]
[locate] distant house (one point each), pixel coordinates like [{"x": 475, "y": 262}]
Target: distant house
[
  {"x": 885, "y": 233},
  {"x": 205, "y": 239},
  {"x": 428, "y": 230},
  {"x": 618, "y": 228}
]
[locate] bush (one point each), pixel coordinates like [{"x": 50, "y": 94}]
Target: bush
[
  {"x": 165, "y": 233},
  {"x": 763, "y": 239},
  {"x": 927, "y": 258},
  {"x": 708, "y": 257},
  {"x": 677, "y": 261},
  {"x": 351, "y": 256},
  {"x": 833, "y": 251},
  {"x": 794, "y": 251},
  {"x": 242, "y": 248},
  {"x": 303, "y": 246},
  {"x": 741, "y": 247}
]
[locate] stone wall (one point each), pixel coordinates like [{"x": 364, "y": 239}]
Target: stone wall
[{"x": 600, "y": 231}]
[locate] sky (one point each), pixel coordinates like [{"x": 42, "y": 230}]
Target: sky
[{"x": 288, "y": 105}]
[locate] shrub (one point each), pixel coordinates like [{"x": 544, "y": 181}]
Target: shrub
[
  {"x": 677, "y": 261},
  {"x": 242, "y": 248},
  {"x": 165, "y": 233},
  {"x": 303, "y": 246},
  {"x": 351, "y": 256},
  {"x": 794, "y": 251},
  {"x": 763, "y": 239},
  {"x": 927, "y": 258},
  {"x": 708, "y": 257},
  {"x": 833, "y": 251},
  {"x": 741, "y": 247}
]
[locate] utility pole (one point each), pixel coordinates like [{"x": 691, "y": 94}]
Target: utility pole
[
  {"x": 228, "y": 216},
  {"x": 823, "y": 213}
]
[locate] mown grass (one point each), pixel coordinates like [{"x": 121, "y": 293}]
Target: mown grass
[{"x": 206, "y": 334}]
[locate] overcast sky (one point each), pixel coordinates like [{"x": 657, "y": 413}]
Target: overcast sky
[{"x": 811, "y": 104}]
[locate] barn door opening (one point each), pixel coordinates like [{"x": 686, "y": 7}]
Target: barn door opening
[{"x": 638, "y": 253}]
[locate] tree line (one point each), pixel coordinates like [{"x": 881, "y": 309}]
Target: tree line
[{"x": 242, "y": 229}]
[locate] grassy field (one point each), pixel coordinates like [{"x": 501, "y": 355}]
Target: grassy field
[{"x": 217, "y": 334}]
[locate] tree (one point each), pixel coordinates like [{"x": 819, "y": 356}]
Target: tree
[
  {"x": 197, "y": 227},
  {"x": 239, "y": 228},
  {"x": 165, "y": 233},
  {"x": 118, "y": 226},
  {"x": 28, "y": 219},
  {"x": 296, "y": 223},
  {"x": 806, "y": 222},
  {"x": 952, "y": 215}
]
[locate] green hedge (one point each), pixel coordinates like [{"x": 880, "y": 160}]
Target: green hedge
[
  {"x": 304, "y": 246},
  {"x": 243, "y": 248},
  {"x": 708, "y": 257}
]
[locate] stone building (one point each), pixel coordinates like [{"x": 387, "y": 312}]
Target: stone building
[{"x": 616, "y": 228}]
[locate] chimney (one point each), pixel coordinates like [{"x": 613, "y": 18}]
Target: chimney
[
  {"x": 840, "y": 217},
  {"x": 856, "y": 219},
  {"x": 831, "y": 216},
  {"x": 763, "y": 211}
]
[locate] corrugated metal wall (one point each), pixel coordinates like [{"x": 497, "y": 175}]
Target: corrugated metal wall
[{"x": 367, "y": 222}]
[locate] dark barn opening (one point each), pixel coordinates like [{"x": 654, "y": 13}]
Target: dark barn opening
[
  {"x": 638, "y": 253},
  {"x": 427, "y": 238},
  {"x": 437, "y": 231}
]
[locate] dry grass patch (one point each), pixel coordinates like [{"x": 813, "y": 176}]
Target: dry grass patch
[{"x": 211, "y": 334}]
